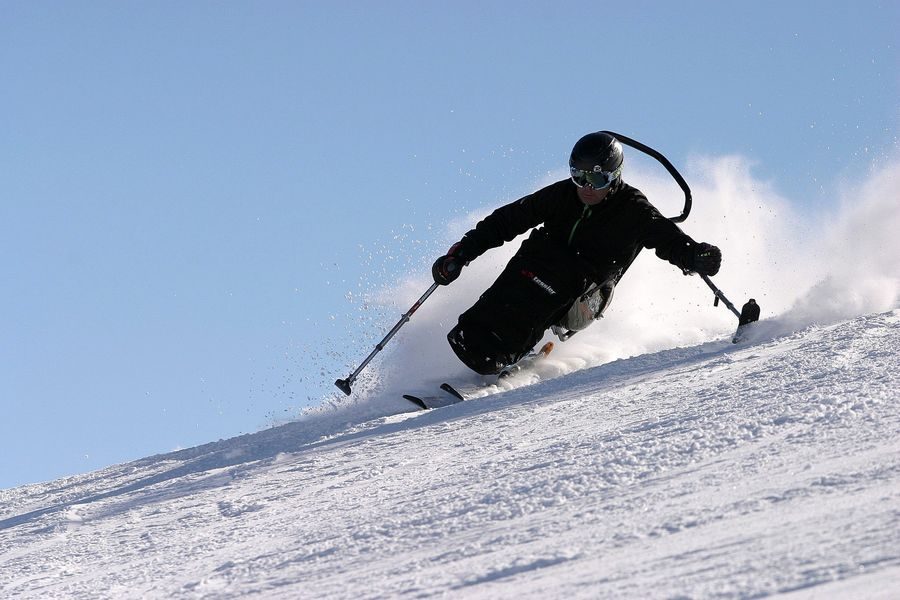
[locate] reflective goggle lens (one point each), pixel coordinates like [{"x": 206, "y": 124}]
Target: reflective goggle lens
[{"x": 598, "y": 180}]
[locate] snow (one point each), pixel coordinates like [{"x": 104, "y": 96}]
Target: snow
[
  {"x": 647, "y": 457},
  {"x": 712, "y": 470}
]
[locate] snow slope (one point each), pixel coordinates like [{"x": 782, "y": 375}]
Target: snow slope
[{"x": 707, "y": 471}]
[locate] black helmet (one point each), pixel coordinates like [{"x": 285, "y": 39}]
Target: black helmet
[{"x": 597, "y": 153}]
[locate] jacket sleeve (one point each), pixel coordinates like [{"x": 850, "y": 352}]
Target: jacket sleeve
[
  {"x": 669, "y": 241},
  {"x": 509, "y": 221}
]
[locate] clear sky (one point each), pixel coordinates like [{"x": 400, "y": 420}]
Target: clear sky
[{"x": 193, "y": 195}]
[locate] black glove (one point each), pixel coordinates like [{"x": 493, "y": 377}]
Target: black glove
[
  {"x": 707, "y": 259},
  {"x": 448, "y": 267}
]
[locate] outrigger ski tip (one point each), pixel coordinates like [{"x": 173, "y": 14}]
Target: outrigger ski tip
[
  {"x": 749, "y": 312},
  {"x": 749, "y": 315}
]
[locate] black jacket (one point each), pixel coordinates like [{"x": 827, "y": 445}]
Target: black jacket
[{"x": 591, "y": 243}]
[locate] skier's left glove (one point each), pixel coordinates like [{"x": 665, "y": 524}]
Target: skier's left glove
[
  {"x": 448, "y": 267},
  {"x": 707, "y": 259}
]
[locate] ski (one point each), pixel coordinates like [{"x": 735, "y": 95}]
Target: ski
[
  {"x": 452, "y": 391},
  {"x": 416, "y": 400},
  {"x": 437, "y": 401},
  {"x": 453, "y": 395},
  {"x": 526, "y": 361}
]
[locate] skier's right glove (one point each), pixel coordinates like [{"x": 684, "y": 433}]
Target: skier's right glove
[
  {"x": 707, "y": 259},
  {"x": 447, "y": 268}
]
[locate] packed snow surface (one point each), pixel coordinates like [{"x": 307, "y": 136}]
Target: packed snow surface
[{"x": 719, "y": 470}]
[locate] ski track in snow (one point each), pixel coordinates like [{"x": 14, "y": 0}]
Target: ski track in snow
[{"x": 713, "y": 471}]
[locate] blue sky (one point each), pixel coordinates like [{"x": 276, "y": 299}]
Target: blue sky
[{"x": 194, "y": 195}]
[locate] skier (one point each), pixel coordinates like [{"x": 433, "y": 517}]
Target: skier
[{"x": 589, "y": 229}]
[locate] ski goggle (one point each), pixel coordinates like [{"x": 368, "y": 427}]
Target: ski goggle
[{"x": 595, "y": 179}]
